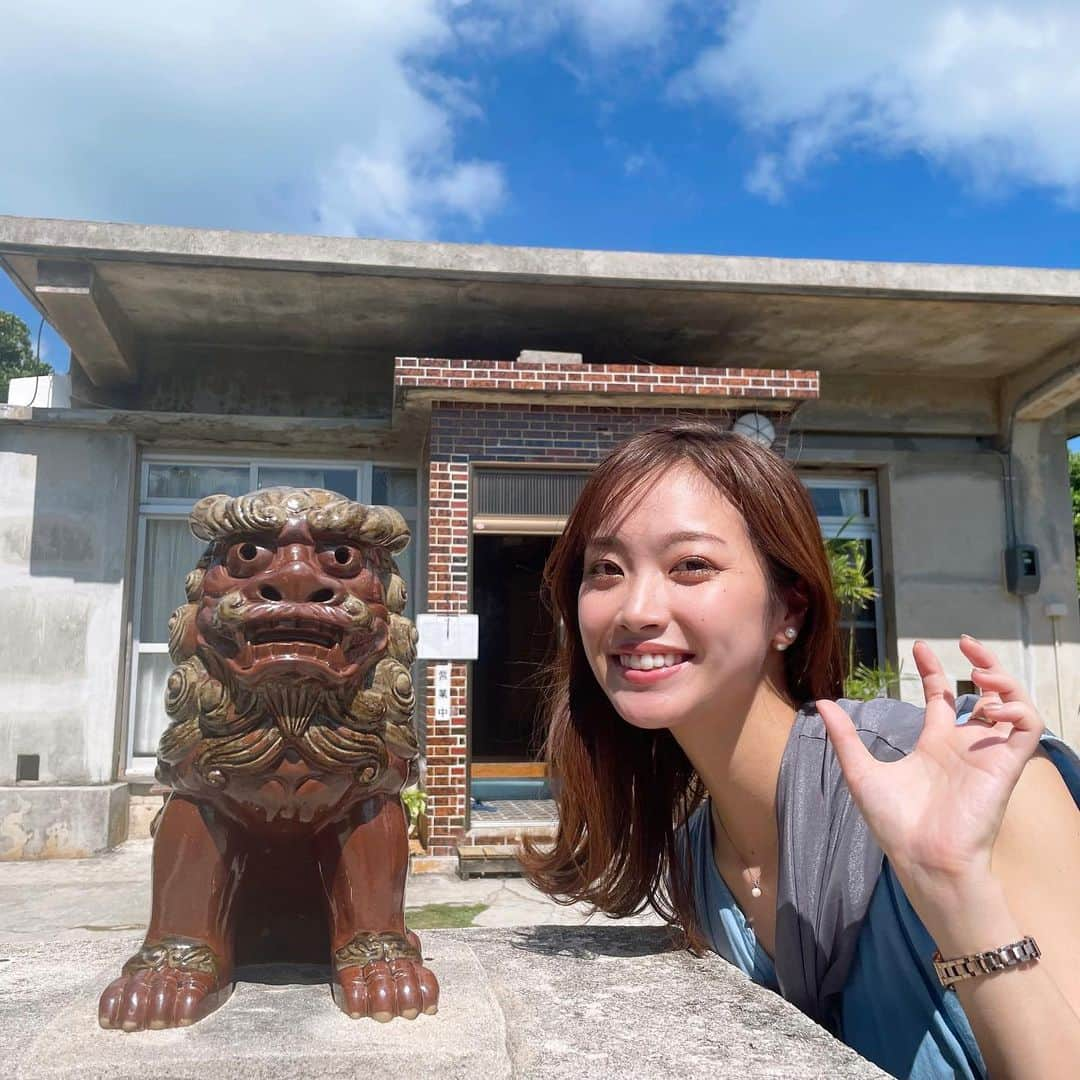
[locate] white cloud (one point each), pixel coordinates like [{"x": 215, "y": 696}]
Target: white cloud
[
  {"x": 989, "y": 89},
  {"x": 324, "y": 116}
]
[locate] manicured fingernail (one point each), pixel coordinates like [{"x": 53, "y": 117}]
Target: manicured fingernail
[{"x": 992, "y": 707}]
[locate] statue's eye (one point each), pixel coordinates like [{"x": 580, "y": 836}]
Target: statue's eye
[
  {"x": 342, "y": 559},
  {"x": 247, "y": 557}
]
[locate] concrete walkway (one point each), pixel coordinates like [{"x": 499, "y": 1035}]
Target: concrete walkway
[
  {"x": 521, "y": 999},
  {"x": 110, "y": 893}
]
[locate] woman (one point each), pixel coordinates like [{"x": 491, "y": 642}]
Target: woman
[{"x": 707, "y": 771}]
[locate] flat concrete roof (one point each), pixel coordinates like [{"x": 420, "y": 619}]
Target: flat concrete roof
[{"x": 115, "y": 291}]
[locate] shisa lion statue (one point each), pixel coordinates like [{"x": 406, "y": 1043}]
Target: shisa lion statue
[{"x": 284, "y": 838}]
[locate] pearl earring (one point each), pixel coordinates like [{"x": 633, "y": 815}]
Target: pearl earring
[{"x": 789, "y": 633}]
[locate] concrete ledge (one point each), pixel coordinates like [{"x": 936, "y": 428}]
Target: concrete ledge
[
  {"x": 45, "y": 822},
  {"x": 142, "y": 809},
  {"x": 433, "y": 864},
  {"x": 548, "y": 1002}
]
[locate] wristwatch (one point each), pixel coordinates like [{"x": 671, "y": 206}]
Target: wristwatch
[{"x": 950, "y": 972}]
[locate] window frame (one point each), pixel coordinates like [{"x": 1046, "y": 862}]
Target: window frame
[
  {"x": 141, "y": 767},
  {"x": 867, "y": 528}
]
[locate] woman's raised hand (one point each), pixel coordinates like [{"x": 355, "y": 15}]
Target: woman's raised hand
[{"x": 937, "y": 812}]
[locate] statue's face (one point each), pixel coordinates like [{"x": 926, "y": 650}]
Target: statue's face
[{"x": 293, "y": 604}]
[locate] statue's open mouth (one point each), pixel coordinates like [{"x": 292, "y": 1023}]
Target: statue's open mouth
[
  {"x": 296, "y": 631},
  {"x": 304, "y": 646}
]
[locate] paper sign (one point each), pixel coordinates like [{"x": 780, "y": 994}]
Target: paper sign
[
  {"x": 442, "y": 692},
  {"x": 448, "y": 637}
]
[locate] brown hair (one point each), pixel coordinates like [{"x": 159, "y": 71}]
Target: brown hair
[{"x": 624, "y": 792}]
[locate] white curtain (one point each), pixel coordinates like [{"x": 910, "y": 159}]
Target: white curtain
[
  {"x": 171, "y": 551},
  {"x": 150, "y": 718}
]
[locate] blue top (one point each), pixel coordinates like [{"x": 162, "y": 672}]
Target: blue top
[{"x": 893, "y": 1009}]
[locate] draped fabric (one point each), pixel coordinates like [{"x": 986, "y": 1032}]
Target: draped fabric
[
  {"x": 850, "y": 949},
  {"x": 170, "y": 552},
  {"x": 829, "y": 861}
]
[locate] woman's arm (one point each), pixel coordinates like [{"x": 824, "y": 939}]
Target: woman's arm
[
  {"x": 1026, "y": 1020},
  {"x": 985, "y": 840}
]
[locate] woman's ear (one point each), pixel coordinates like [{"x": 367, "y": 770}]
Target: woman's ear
[{"x": 797, "y": 603}]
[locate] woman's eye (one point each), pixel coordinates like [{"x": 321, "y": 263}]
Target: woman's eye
[
  {"x": 693, "y": 566},
  {"x": 603, "y": 568}
]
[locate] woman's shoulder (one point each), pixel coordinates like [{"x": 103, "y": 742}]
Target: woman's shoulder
[{"x": 887, "y": 727}]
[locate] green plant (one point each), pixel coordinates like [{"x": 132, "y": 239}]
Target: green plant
[
  {"x": 17, "y": 357},
  {"x": 866, "y": 682},
  {"x": 415, "y": 802},
  {"x": 442, "y": 916},
  {"x": 852, "y": 588},
  {"x": 851, "y": 583},
  {"x": 1074, "y": 485}
]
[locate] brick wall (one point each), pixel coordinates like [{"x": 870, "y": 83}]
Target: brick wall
[
  {"x": 561, "y": 434},
  {"x": 448, "y": 593},
  {"x": 561, "y": 430},
  {"x": 500, "y": 376}
]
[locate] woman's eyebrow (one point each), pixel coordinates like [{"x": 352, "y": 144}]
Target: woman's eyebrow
[
  {"x": 683, "y": 537},
  {"x": 667, "y": 541},
  {"x": 602, "y": 541}
]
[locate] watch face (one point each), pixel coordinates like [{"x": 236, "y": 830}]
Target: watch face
[{"x": 757, "y": 427}]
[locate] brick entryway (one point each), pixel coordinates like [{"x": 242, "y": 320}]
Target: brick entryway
[{"x": 496, "y": 413}]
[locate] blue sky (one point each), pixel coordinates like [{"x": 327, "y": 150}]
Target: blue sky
[{"x": 938, "y": 131}]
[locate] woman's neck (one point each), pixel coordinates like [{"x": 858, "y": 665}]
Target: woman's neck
[{"x": 738, "y": 756}]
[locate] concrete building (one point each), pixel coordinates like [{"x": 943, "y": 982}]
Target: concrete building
[{"x": 927, "y": 408}]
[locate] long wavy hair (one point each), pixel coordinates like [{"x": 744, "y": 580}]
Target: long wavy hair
[{"x": 623, "y": 792}]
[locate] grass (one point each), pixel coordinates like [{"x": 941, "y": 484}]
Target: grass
[{"x": 442, "y": 916}]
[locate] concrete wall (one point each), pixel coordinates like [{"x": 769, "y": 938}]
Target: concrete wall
[
  {"x": 65, "y": 512},
  {"x": 252, "y": 382},
  {"x": 943, "y": 528},
  {"x": 1044, "y": 518}
]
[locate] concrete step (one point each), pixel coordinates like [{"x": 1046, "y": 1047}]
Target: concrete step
[{"x": 475, "y": 860}]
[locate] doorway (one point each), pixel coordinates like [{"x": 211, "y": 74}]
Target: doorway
[{"x": 516, "y": 638}]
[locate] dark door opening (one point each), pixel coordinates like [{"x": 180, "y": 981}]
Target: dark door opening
[{"x": 516, "y": 637}]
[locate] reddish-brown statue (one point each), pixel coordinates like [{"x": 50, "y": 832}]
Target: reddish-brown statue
[{"x": 290, "y": 738}]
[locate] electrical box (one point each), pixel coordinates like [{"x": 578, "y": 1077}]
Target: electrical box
[{"x": 1022, "y": 569}]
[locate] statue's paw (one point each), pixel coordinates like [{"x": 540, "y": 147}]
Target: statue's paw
[
  {"x": 159, "y": 999},
  {"x": 385, "y": 989}
]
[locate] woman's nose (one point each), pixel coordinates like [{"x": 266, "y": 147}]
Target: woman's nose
[{"x": 643, "y": 606}]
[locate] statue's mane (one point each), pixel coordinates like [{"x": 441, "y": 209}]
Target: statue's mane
[
  {"x": 218, "y": 517},
  {"x": 219, "y": 729}
]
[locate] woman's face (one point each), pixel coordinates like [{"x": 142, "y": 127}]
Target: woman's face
[{"x": 674, "y": 607}]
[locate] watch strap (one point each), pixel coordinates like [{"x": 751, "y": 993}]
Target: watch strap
[{"x": 958, "y": 968}]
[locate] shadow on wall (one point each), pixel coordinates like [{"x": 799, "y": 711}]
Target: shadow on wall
[{"x": 82, "y": 483}]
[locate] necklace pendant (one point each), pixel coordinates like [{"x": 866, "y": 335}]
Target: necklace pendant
[{"x": 755, "y": 892}]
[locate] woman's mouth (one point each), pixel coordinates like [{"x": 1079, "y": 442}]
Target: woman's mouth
[{"x": 644, "y": 668}]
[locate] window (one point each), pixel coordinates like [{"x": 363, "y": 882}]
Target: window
[
  {"x": 847, "y": 509},
  {"x": 166, "y": 551}
]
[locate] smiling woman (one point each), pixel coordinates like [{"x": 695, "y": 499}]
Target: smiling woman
[{"x": 835, "y": 852}]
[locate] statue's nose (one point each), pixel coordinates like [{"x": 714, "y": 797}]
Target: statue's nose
[{"x": 298, "y": 582}]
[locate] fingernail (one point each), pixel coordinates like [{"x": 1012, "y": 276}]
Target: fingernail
[{"x": 991, "y": 707}]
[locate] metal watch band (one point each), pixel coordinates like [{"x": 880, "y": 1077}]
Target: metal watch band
[{"x": 950, "y": 972}]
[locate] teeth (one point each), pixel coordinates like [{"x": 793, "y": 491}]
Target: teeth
[{"x": 648, "y": 661}]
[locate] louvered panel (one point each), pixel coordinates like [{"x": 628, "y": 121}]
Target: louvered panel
[{"x": 527, "y": 492}]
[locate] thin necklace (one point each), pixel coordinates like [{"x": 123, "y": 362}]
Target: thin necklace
[{"x": 755, "y": 880}]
